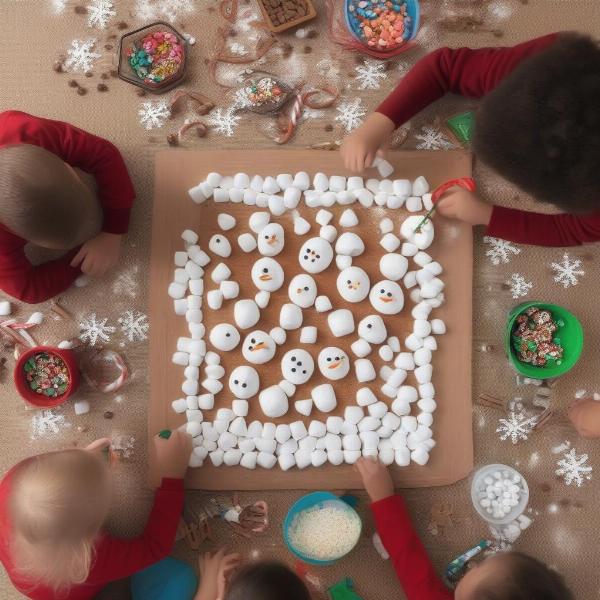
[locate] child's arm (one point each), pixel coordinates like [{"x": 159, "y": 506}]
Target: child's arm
[
  {"x": 118, "y": 558},
  {"x": 413, "y": 567}
]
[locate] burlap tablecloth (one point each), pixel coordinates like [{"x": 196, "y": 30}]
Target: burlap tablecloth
[{"x": 36, "y": 32}]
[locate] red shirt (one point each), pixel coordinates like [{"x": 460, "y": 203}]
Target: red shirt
[
  {"x": 413, "y": 567},
  {"x": 474, "y": 73},
  {"x": 114, "y": 558},
  {"x": 18, "y": 277}
]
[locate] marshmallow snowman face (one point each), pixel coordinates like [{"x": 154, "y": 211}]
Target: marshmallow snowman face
[
  {"x": 224, "y": 336},
  {"x": 386, "y": 297},
  {"x": 372, "y": 329},
  {"x": 297, "y": 366},
  {"x": 353, "y": 284},
  {"x": 267, "y": 274},
  {"x": 244, "y": 382},
  {"x": 258, "y": 347},
  {"x": 271, "y": 239},
  {"x": 333, "y": 363},
  {"x": 315, "y": 255},
  {"x": 303, "y": 290}
]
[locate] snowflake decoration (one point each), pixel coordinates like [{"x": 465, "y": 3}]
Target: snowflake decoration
[
  {"x": 500, "y": 251},
  {"x": 351, "y": 114},
  {"x": 80, "y": 57},
  {"x": 238, "y": 49},
  {"x": 369, "y": 74},
  {"x": 126, "y": 283},
  {"x": 99, "y": 13},
  {"x": 567, "y": 271},
  {"x": 240, "y": 99},
  {"x": 134, "y": 325},
  {"x": 224, "y": 122},
  {"x": 313, "y": 113},
  {"x": 517, "y": 427},
  {"x": 519, "y": 287},
  {"x": 94, "y": 330},
  {"x": 573, "y": 468},
  {"x": 500, "y": 10},
  {"x": 432, "y": 139},
  {"x": 154, "y": 114},
  {"x": 169, "y": 9},
  {"x": 58, "y": 6},
  {"x": 47, "y": 422},
  {"x": 123, "y": 444}
]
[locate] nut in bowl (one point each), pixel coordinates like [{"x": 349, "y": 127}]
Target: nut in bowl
[
  {"x": 320, "y": 529},
  {"x": 45, "y": 376}
]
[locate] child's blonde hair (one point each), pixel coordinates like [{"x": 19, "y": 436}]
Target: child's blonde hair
[
  {"x": 41, "y": 198},
  {"x": 58, "y": 503}
]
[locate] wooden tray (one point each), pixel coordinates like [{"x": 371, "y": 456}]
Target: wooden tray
[{"x": 176, "y": 172}]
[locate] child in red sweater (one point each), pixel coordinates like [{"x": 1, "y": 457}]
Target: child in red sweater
[
  {"x": 44, "y": 202},
  {"x": 538, "y": 126},
  {"x": 505, "y": 576},
  {"x": 53, "y": 506}
]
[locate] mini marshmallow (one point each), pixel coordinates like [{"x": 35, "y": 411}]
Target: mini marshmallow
[
  {"x": 345, "y": 197},
  {"x": 180, "y": 259},
  {"x": 262, "y": 298},
  {"x": 364, "y": 369},
  {"x": 329, "y": 233},
  {"x": 427, "y": 405},
  {"x": 193, "y": 316},
  {"x": 236, "y": 196},
  {"x": 396, "y": 378},
  {"x": 390, "y": 242},
  {"x": 264, "y": 445},
  {"x": 279, "y": 335},
  {"x": 378, "y": 410},
  {"x": 394, "y": 202},
  {"x": 193, "y": 428},
  {"x": 413, "y": 342},
  {"x": 213, "y": 386},
  {"x": 214, "y": 299},
  {"x": 288, "y": 387},
  {"x": 240, "y": 407},
  {"x": 308, "y": 335},
  {"x": 249, "y": 460},
  {"x": 198, "y": 256},
  {"x": 353, "y": 414},
  {"x": 420, "y": 186},
  {"x": 284, "y": 180},
  {"x": 301, "y": 225},
  {"x": 328, "y": 198},
  {"x": 249, "y": 198},
  {"x": 335, "y": 457},
  {"x": 349, "y": 244},
  {"x": 214, "y": 371},
  {"x": 348, "y": 218},
  {"x": 270, "y": 186},
  {"x": 323, "y": 304},
  {"x": 365, "y": 397},
  {"x": 430, "y": 343},
  {"x": 324, "y": 397},
  {"x": 197, "y": 194},
  {"x": 420, "y": 456},
  {"x": 291, "y": 197},
  {"x": 232, "y": 457},
  {"x": 343, "y": 261},
  {"x": 262, "y": 200},
  {"x": 229, "y": 289},
  {"x": 301, "y": 180},
  {"x": 386, "y": 353},
  {"x": 298, "y": 430},
  {"x": 246, "y": 313},
  {"x": 313, "y": 199},
  {"x": 409, "y": 249},
  {"x": 238, "y": 427},
  {"x": 286, "y": 461},
  {"x": 317, "y": 429},
  {"x": 422, "y": 357},
  {"x": 189, "y": 387},
  {"x": 414, "y": 204},
  {"x": 290, "y": 316},
  {"x": 179, "y": 406},
  {"x": 422, "y": 258},
  {"x": 341, "y": 322},
  {"x": 304, "y": 407},
  {"x": 421, "y": 328},
  {"x": 381, "y": 198},
  {"x": 180, "y": 276},
  {"x": 369, "y": 424},
  {"x": 258, "y": 221},
  {"x": 425, "y": 419},
  {"x": 402, "y": 188},
  {"x": 384, "y": 168},
  {"x": 423, "y": 373},
  {"x": 220, "y": 273},
  {"x": 324, "y": 217},
  {"x": 191, "y": 372},
  {"x": 221, "y": 195},
  {"x": 365, "y": 197},
  {"x": 206, "y": 401},
  {"x": 283, "y": 433},
  {"x": 393, "y": 266},
  {"x": 276, "y": 205},
  {"x": 427, "y": 390},
  {"x": 337, "y": 183},
  {"x": 361, "y": 348},
  {"x": 438, "y": 327},
  {"x": 176, "y": 290},
  {"x": 421, "y": 310},
  {"x": 273, "y": 402},
  {"x": 212, "y": 358},
  {"x": 194, "y": 303},
  {"x": 193, "y": 270}
]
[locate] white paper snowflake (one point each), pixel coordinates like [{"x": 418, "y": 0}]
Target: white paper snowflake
[
  {"x": 80, "y": 56},
  {"x": 567, "y": 271},
  {"x": 58, "y": 6},
  {"x": 169, "y": 9},
  {"x": 519, "y": 287},
  {"x": 154, "y": 114},
  {"x": 126, "y": 283},
  {"x": 47, "y": 422},
  {"x": 93, "y": 330},
  {"x": 351, "y": 114},
  {"x": 573, "y": 468},
  {"x": 370, "y": 74},
  {"x": 100, "y": 13},
  {"x": 240, "y": 99},
  {"x": 238, "y": 49},
  {"x": 517, "y": 427},
  {"x": 134, "y": 325},
  {"x": 123, "y": 444},
  {"x": 224, "y": 121},
  {"x": 501, "y": 251},
  {"x": 433, "y": 139}
]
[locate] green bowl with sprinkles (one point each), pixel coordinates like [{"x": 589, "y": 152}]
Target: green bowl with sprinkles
[{"x": 569, "y": 335}]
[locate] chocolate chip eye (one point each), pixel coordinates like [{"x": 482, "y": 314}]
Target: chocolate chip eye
[
  {"x": 328, "y": 359},
  {"x": 305, "y": 257},
  {"x": 236, "y": 382},
  {"x": 318, "y": 256},
  {"x": 382, "y": 291},
  {"x": 244, "y": 385},
  {"x": 253, "y": 341},
  {"x": 293, "y": 370},
  {"x": 266, "y": 237},
  {"x": 308, "y": 250},
  {"x": 369, "y": 326},
  {"x": 306, "y": 288},
  {"x": 218, "y": 240},
  {"x": 303, "y": 372},
  {"x": 227, "y": 335},
  {"x": 337, "y": 358},
  {"x": 265, "y": 270},
  {"x": 293, "y": 359},
  {"x": 299, "y": 363},
  {"x": 348, "y": 282},
  {"x": 389, "y": 294}
]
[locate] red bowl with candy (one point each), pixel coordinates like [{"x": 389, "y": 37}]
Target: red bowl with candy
[
  {"x": 46, "y": 376},
  {"x": 153, "y": 57}
]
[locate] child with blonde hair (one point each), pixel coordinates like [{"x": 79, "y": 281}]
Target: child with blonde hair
[{"x": 52, "y": 510}]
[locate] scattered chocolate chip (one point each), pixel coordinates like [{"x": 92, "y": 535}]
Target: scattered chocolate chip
[
  {"x": 122, "y": 25},
  {"x": 140, "y": 92},
  {"x": 81, "y": 10},
  {"x": 81, "y": 91},
  {"x": 108, "y": 46},
  {"x": 58, "y": 66},
  {"x": 112, "y": 36},
  {"x": 114, "y": 73},
  {"x": 104, "y": 76},
  {"x": 173, "y": 139},
  {"x": 564, "y": 502},
  {"x": 329, "y": 127},
  {"x": 312, "y": 34},
  {"x": 307, "y": 49},
  {"x": 102, "y": 87},
  {"x": 89, "y": 74},
  {"x": 73, "y": 83},
  {"x": 109, "y": 414}
]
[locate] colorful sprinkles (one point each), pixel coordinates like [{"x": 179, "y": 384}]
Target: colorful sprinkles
[
  {"x": 47, "y": 374},
  {"x": 157, "y": 57},
  {"x": 535, "y": 340}
]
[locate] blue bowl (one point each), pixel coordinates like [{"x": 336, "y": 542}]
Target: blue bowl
[
  {"x": 316, "y": 499},
  {"x": 414, "y": 12}
]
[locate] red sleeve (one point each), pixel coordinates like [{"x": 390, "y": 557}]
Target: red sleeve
[
  {"x": 471, "y": 73},
  {"x": 118, "y": 558},
  {"x": 543, "y": 230},
  {"x": 413, "y": 567},
  {"x": 26, "y": 282},
  {"x": 82, "y": 150}
]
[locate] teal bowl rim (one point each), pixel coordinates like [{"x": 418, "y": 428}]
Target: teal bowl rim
[
  {"x": 319, "y": 497},
  {"x": 514, "y": 313}
]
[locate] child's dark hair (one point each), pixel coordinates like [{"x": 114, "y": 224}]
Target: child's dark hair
[
  {"x": 267, "y": 581},
  {"x": 540, "y": 128},
  {"x": 525, "y": 578}
]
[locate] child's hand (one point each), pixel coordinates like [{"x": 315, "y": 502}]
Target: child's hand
[
  {"x": 585, "y": 416},
  {"x": 361, "y": 146},
  {"x": 173, "y": 455},
  {"x": 465, "y": 206},
  {"x": 99, "y": 255},
  {"x": 99, "y": 445},
  {"x": 214, "y": 570},
  {"x": 376, "y": 479}
]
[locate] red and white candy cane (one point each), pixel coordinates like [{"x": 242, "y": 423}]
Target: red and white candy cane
[{"x": 467, "y": 183}]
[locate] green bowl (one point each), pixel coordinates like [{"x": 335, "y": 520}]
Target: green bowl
[{"x": 571, "y": 339}]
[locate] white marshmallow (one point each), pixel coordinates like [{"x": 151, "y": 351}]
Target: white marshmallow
[
  {"x": 438, "y": 327},
  {"x": 353, "y": 414},
  {"x": 384, "y": 168},
  {"x": 229, "y": 289},
  {"x": 349, "y": 244},
  {"x": 345, "y": 197},
  {"x": 220, "y": 273},
  {"x": 337, "y": 183},
  {"x": 258, "y": 221},
  {"x": 246, "y": 313},
  {"x": 304, "y": 407},
  {"x": 276, "y": 205},
  {"x": 361, "y": 348},
  {"x": 298, "y": 430},
  {"x": 420, "y": 186},
  {"x": 214, "y": 299},
  {"x": 284, "y": 180},
  {"x": 301, "y": 225},
  {"x": 390, "y": 242},
  {"x": 365, "y": 397},
  {"x": 365, "y": 197},
  {"x": 343, "y": 261},
  {"x": 324, "y": 397},
  {"x": 348, "y": 218},
  {"x": 279, "y": 335},
  {"x": 413, "y": 342},
  {"x": 328, "y": 232},
  {"x": 323, "y": 304},
  {"x": 386, "y": 353},
  {"x": 273, "y": 401},
  {"x": 422, "y": 357},
  {"x": 393, "y": 266},
  {"x": 421, "y": 328},
  {"x": 423, "y": 374},
  {"x": 364, "y": 369},
  {"x": 334, "y": 425},
  {"x": 262, "y": 298},
  {"x": 324, "y": 217},
  {"x": 176, "y": 291},
  {"x": 301, "y": 180},
  {"x": 308, "y": 335},
  {"x": 402, "y": 188},
  {"x": 341, "y": 322},
  {"x": 414, "y": 204}
]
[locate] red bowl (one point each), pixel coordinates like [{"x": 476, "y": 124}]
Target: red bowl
[{"x": 39, "y": 400}]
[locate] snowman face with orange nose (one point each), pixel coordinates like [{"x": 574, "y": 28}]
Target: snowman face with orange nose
[
  {"x": 303, "y": 290},
  {"x": 333, "y": 363},
  {"x": 353, "y": 284},
  {"x": 271, "y": 239},
  {"x": 267, "y": 274},
  {"x": 259, "y": 347},
  {"x": 387, "y": 298}
]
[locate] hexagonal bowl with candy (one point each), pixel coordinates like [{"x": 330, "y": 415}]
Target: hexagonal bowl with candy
[
  {"x": 153, "y": 57},
  {"x": 46, "y": 376}
]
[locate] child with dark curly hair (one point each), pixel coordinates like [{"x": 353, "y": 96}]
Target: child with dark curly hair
[{"x": 538, "y": 126}]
